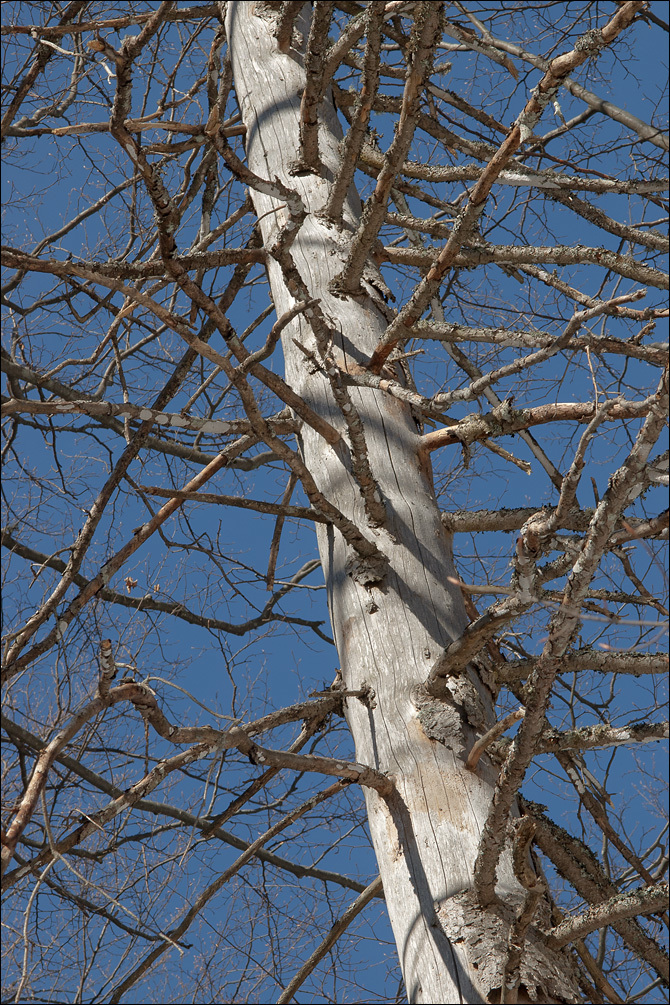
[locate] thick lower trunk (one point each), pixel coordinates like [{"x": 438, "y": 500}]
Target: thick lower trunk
[{"x": 388, "y": 635}]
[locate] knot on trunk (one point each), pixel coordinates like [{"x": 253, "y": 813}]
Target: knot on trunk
[{"x": 367, "y": 570}]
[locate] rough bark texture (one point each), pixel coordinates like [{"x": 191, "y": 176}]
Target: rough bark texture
[{"x": 388, "y": 634}]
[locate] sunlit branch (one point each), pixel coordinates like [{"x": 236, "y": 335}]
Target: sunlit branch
[
  {"x": 582, "y": 660},
  {"x": 316, "y": 83},
  {"x": 213, "y": 888},
  {"x": 623, "y": 488},
  {"x": 258, "y": 505},
  {"x": 492, "y": 734},
  {"x": 467, "y": 219},
  {"x": 649, "y": 900},
  {"x": 172, "y": 812},
  {"x": 578, "y": 865},
  {"x": 170, "y": 420},
  {"x": 41, "y": 57},
  {"x": 150, "y": 602},
  {"x": 279, "y": 526},
  {"x": 594, "y": 797},
  {"x": 207, "y": 738},
  {"x": 521, "y": 176},
  {"x": 353, "y": 142},
  {"x": 503, "y": 420},
  {"x": 556, "y": 283},
  {"x": 421, "y": 51},
  {"x": 66, "y": 28},
  {"x": 15, "y": 663},
  {"x": 461, "y": 359},
  {"x": 626, "y": 118},
  {"x": 337, "y": 929},
  {"x": 514, "y": 255},
  {"x": 654, "y": 352}
]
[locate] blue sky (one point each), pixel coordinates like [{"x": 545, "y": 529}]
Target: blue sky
[{"x": 46, "y": 184}]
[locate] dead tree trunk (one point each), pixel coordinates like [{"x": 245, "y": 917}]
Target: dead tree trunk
[{"x": 390, "y": 624}]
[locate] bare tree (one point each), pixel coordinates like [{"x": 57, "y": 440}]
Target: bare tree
[{"x": 210, "y": 213}]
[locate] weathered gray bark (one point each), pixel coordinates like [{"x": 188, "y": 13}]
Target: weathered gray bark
[{"x": 388, "y": 635}]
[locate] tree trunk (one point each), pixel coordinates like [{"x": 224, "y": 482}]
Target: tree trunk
[{"x": 388, "y": 635}]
